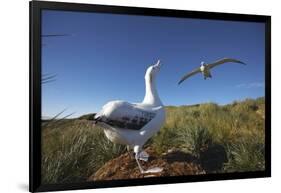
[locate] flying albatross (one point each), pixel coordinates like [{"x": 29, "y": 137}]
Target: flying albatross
[
  {"x": 132, "y": 124},
  {"x": 205, "y": 68}
]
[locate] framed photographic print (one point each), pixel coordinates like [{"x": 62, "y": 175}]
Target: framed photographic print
[{"x": 123, "y": 96}]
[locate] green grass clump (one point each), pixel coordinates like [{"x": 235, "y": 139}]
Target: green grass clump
[
  {"x": 72, "y": 150},
  {"x": 165, "y": 139},
  {"x": 237, "y": 128},
  {"x": 195, "y": 139},
  {"x": 247, "y": 155}
]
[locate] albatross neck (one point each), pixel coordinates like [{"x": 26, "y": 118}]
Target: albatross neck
[{"x": 151, "y": 95}]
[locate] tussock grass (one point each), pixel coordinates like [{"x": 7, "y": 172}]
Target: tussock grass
[
  {"x": 248, "y": 155},
  {"x": 238, "y": 128},
  {"x": 72, "y": 149},
  {"x": 195, "y": 139}
]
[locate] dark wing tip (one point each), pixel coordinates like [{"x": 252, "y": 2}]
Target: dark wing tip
[
  {"x": 241, "y": 62},
  {"x": 181, "y": 80},
  {"x": 237, "y": 61}
]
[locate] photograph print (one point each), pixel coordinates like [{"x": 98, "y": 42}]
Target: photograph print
[{"x": 132, "y": 96}]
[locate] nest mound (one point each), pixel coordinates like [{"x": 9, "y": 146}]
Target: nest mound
[{"x": 174, "y": 163}]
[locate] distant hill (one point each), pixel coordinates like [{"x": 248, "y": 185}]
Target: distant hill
[{"x": 87, "y": 116}]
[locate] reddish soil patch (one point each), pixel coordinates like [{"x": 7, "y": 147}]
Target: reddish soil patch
[{"x": 174, "y": 163}]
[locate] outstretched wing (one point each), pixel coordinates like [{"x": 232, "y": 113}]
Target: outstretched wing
[
  {"x": 224, "y": 60},
  {"x": 124, "y": 115},
  {"x": 195, "y": 71}
]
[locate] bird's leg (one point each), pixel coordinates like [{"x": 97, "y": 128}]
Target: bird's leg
[
  {"x": 152, "y": 170},
  {"x": 143, "y": 156},
  {"x": 139, "y": 165},
  {"x": 136, "y": 150},
  {"x": 130, "y": 153},
  {"x": 209, "y": 74}
]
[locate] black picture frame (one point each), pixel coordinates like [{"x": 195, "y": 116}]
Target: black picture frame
[{"x": 35, "y": 93}]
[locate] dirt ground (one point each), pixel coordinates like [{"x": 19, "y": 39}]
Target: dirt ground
[{"x": 174, "y": 163}]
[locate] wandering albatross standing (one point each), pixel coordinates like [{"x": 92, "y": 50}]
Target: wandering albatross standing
[{"x": 132, "y": 124}]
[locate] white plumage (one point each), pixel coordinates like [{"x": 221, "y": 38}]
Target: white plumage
[{"x": 132, "y": 124}]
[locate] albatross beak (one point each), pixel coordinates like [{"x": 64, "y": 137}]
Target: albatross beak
[{"x": 158, "y": 64}]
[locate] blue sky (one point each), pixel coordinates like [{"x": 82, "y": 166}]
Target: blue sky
[{"x": 106, "y": 56}]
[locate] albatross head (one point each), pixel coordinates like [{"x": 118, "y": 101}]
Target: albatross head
[{"x": 153, "y": 70}]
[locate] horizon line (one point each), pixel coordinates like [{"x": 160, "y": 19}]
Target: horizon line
[{"x": 194, "y": 104}]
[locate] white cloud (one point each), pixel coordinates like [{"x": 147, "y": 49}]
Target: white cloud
[{"x": 251, "y": 85}]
